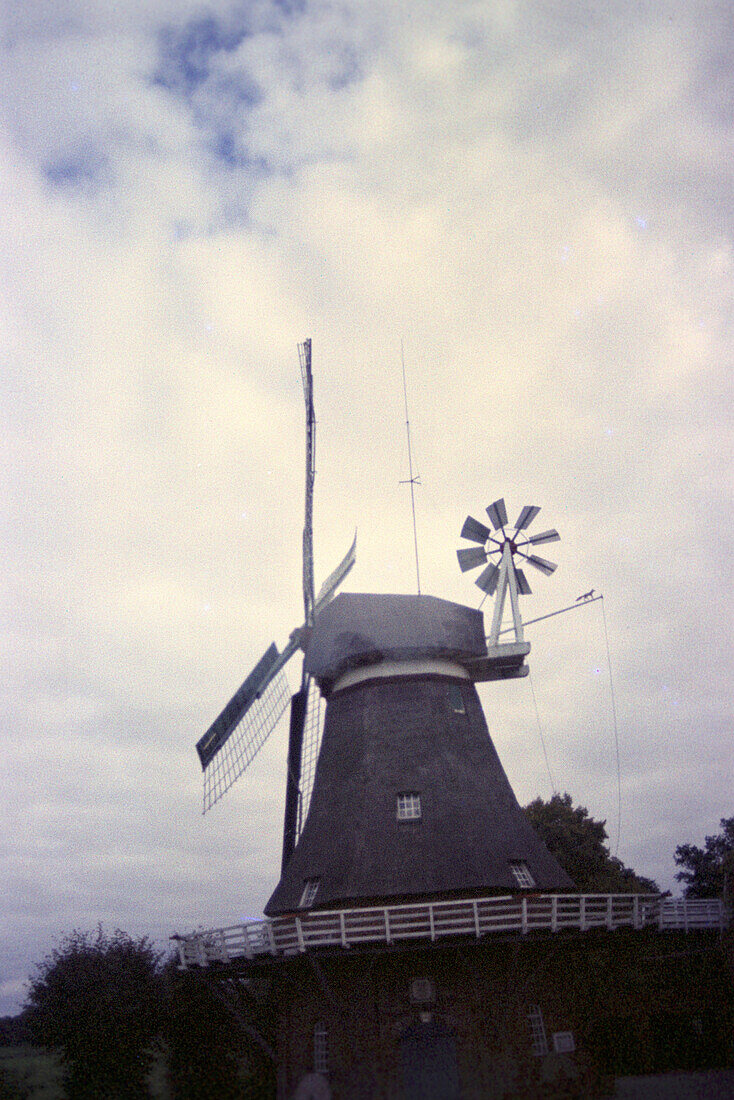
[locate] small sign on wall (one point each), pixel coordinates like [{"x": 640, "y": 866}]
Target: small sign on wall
[{"x": 563, "y": 1042}]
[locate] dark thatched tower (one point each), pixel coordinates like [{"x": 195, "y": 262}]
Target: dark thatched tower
[{"x": 410, "y": 799}]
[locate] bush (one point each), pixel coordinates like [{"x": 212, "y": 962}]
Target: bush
[
  {"x": 97, "y": 999},
  {"x": 214, "y": 1049}
]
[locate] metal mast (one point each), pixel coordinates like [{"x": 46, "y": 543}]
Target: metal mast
[{"x": 412, "y": 481}]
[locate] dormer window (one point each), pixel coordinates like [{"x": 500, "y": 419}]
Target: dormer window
[
  {"x": 521, "y": 873},
  {"x": 310, "y": 890},
  {"x": 409, "y": 806}
]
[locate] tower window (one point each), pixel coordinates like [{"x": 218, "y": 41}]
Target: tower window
[
  {"x": 310, "y": 890},
  {"x": 456, "y": 699},
  {"x": 538, "y": 1037},
  {"x": 320, "y": 1049},
  {"x": 521, "y": 871},
  {"x": 409, "y": 806}
]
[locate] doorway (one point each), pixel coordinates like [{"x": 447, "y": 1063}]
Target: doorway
[{"x": 428, "y": 1062}]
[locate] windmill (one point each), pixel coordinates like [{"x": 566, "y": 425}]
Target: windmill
[
  {"x": 410, "y": 799},
  {"x": 235, "y": 737},
  {"x": 502, "y": 575},
  {"x": 405, "y": 740}
]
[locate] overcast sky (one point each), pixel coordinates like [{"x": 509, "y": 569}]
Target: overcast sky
[{"x": 535, "y": 198}]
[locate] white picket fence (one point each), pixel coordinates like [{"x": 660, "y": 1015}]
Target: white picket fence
[{"x": 297, "y": 932}]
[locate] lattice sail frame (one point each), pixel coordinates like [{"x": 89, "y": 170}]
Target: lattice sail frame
[
  {"x": 312, "y": 733},
  {"x": 246, "y": 740}
]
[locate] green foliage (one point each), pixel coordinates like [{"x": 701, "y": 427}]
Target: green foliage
[
  {"x": 13, "y": 1030},
  {"x": 212, "y": 1044},
  {"x": 97, "y": 999},
  {"x": 705, "y": 868},
  {"x": 577, "y": 842}
]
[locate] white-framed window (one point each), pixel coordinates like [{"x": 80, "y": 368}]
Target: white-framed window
[
  {"x": 456, "y": 699},
  {"x": 538, "y": 1037},
  {"x": 409, "y": 806},
  {"x": 521, "y": 871},
  {"x": 320, "y": 1048},
  {"x": 310, "y": 890}
]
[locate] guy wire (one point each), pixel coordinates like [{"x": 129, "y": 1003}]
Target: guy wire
[
  {"x": 540, "y": 731},
  {"x": 616, "y": 732}
]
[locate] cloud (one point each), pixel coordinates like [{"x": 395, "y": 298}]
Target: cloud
[{"x": 536, "y": 205}]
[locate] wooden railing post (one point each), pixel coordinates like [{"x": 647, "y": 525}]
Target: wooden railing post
[
  {"x": 610, "y": 919},
  {"x": 223, "y": 947},
  {"x": 387, "y": 925},
  {"x": 554, "y": 913},
  {"x": 299, "y": 933},
  {"x": 636, "y": 911},
  {"x": 248, "y": 945},
  {"x": 476, "y": 917},
  {"x": 524, "y": 919},
  {"x": 201, "y": 951},
  {"x": 343, "y": 929},
  {"x": 181, "y": 948},
  {"x": 582, "y": 913}
]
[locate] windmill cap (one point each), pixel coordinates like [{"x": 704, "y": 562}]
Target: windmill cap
[{"x": 358, "y": 629}]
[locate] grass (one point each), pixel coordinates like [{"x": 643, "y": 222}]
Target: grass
[
  {"x": 37, "y": 1075},
  {"x": 36, "y": 1072}
]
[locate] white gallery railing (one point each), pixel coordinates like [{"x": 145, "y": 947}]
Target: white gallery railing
[{"x": 297, "y": 932}]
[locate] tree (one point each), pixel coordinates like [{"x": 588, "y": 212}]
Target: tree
[
  {"x": 97, "y": 1000},
  {"x": 219, "y": 1034},
  {"x": 706, "y": 868},
  {"x": 11, "y": 1087},
  {"x": 577, "y": 842}
]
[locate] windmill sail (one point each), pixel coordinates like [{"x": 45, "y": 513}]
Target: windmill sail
[
  {"x": 312, "y": 732},
  {"x": 304, "y": 355},
  {"x": 300, "y": 699},
  {"x": 239, "y": 732},
  {"x": 295, "y": 749},
  {"x": 243, "y": 742},
  {"x": 224, "y": 726},
  {"x": 332, "y": 582}
]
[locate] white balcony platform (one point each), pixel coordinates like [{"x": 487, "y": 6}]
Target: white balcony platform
[{"x": 431, "y": 921}]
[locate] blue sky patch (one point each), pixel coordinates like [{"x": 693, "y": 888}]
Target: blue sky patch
[
  {"x": 78, "y": 168},
  {"x": 186, "y": 52},
  {"x": 233, "y": 154},
  {"x": 347, "y": 68}
]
